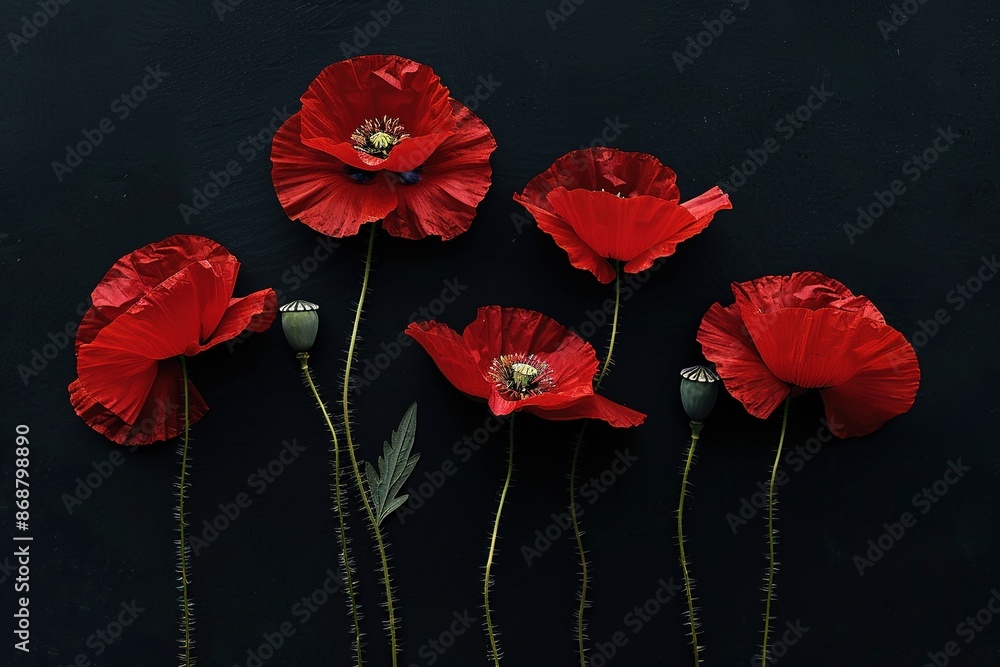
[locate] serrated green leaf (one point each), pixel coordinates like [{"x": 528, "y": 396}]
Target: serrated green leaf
[
  {"x": 396, "y": 504},
  {"x": 394, "y": 467}
]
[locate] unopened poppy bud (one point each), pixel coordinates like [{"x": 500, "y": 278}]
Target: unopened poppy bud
[
  {"x": 699, "y": 389},
  {"x": 300, "y": 321}
]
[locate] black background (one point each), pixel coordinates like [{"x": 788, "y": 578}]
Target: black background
[{"x": 557, "y": 88}]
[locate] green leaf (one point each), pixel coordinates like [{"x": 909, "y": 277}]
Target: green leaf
[{"x": 394, "y": 466}]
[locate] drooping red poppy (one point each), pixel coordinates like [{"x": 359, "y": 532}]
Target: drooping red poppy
[
  {"x": 519, "y": 359},
  {"x": 787, "y": 334},
  {"x": 379, "y": 138},
  {"x": 164, "y": 300},
  {"x": 602, "y": 203}
]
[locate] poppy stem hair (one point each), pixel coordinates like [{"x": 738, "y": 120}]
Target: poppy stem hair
[
  {"x": 769, "y": 586},
  {"x": 581, "y": 626},
  {"x": 358, "y": 478},
  {"x": 696, "y": 427},
  {"x": 346, "y": 562},
  {"x": 182, "y": 547},
  {"x": 491, "y": 631}
]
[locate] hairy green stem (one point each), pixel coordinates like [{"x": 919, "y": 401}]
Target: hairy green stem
[
  {"x": 614, "y": 327},
  {"x": 358, "y": 479},
  {"x": 770, "y": 536},
  {"x": 577, "y": 535},
  {"x": 490, "y": 630},
  {"x": 182, "y": 548},
  {"x": 696, "y": 427},
  {"x": 345, "y": 557}
]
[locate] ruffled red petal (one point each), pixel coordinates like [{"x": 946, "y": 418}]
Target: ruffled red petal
[
  {"x": 348, "y": 93},
  {"x": 317, "y": 189},
  {"x": 593, "y": 406},
  {"x": 622, "y": 228},
  {"x": 812, "y": 349},
  {"x": 162, "y": 414},
  {"x": 499, "y": 405},
  {"x": 452, "y": 356},
  {"x": 574, "y": 364},
  {"x": 135, "y": 274},
  {"x": 884, "y": 386},
  {"x": 803, "y": 289},
  {"x": 726, "y": 343},
  {"x": 497, "y": 331},
  {"x": 254, "y": 313},
  {"x": 556, "y": 398},
  {"x": 452, "y": 183},
  {"x": 703, "y": 208},
  {"x": 118, "y": 367},
  {"x": 619, "y": 172}
]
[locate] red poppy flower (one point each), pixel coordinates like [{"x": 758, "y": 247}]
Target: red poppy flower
[
  {"x": 522, "y": 360},
  {"x": 166, "y": 299},
  {"x": 379, "y": 138},
  {"x": 786, "y": 334},
  {"x": 600, "y": 203}
]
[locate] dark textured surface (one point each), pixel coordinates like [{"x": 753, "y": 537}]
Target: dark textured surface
[{"x": 558, "y": 89}]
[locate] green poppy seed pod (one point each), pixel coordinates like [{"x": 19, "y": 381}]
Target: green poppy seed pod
[
  {"x": 300, "y": 321},
  {"x": 699, "y": 389}
]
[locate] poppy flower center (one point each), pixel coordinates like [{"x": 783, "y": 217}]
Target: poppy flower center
[
  {"x": 518, "y": 376},
  {"x": 377, "y": 136}
]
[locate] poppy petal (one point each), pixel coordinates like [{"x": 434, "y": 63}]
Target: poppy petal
[
  {"x": 118, "y": 367},
  {"x": 320, "y": 191},
  {"x": 161, "y": 416},
  {"x": 574, "y": 364},
  {"x": 593, "y": 406},
  {"x": 497, "y": 331},
  {"x": 885, "y": 386},
  {"x": 452, "y": 182},
  {"x": 609, "y": 169},
  {"x": 811, "y": 349},
  {"x": 803, "y": 289},
  {"x": 622, "y": 228},
  {"x": 726, "y": 343},
  {"x": 116, "y": 379},
  {"x": 632, "y": 174},
  {"x": 252, "y": 313},
  {"x": 499, "y": 405},
  {"x": 452, "y": 356},
  {"x": 703, "y": 208},
  {"x": 554, "y": 399},
  {"x": 135, "y": 274}
]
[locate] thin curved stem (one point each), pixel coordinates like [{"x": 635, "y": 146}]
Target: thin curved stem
[
  {"x": 696, "y": 427},
  {"x": 490, "y": 630},
  {"x": 345, "y": 557},
  {"x": 770, "y": 535},
  {"x": 614, "y": 327},
  {"x": 358, "y": 479},
  {"x": 182, "y": 517},
  {"x": 575, "y": 519}
]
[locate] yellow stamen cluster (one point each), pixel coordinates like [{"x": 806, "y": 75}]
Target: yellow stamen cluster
[{"x": 378, "y": 136}]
